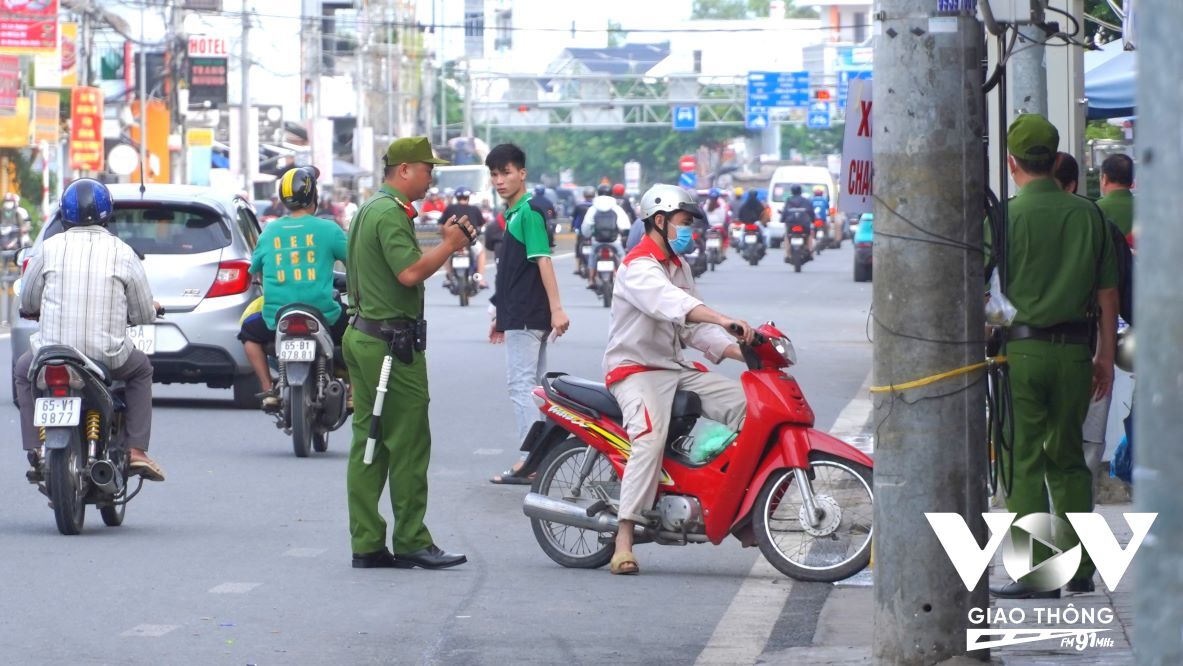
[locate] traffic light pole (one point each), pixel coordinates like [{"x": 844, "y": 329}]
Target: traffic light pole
[{"x": 930, "y": 446}]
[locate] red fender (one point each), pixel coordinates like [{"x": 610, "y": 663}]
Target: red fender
[{"x": 792, "y": 450}]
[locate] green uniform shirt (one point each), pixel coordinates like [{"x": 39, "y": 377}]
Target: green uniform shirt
[
  {"x": 382, "y": 244},
  {"x": 295, "y": 256},
  {"x": 1118, "y": 206},
  {"x": 1057, "y": 243}
]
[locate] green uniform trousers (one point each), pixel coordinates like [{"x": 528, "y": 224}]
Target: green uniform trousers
[
  {"x": 401, "y": 453},
  {"x": 1050, "y": 387}
]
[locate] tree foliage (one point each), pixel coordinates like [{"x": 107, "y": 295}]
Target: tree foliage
[{"x": 744, "y": 9}]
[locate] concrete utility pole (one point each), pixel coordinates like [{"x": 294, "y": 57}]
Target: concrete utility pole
[
  {"x": 1027, "y": 72},
  {"x": 1158, "y": 358},
  {"x": 244, "y": 124},
  {"x": 931, "y": 442}
]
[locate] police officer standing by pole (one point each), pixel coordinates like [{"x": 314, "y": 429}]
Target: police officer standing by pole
[
  {"x": 1061, "y": 265},
  {"x": 383, "y": 349}
]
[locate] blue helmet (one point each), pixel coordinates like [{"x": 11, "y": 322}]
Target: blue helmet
[
  {"x": 86, "y": 202},
  {"x": 540, "y": 190},
  {"x": 714, "y": 193},
  {"x": 463, "y": 193}
]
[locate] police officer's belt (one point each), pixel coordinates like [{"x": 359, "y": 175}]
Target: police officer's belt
[
  {"x": 404, "y": 336},
  {"x": 1071, "y": 333}
]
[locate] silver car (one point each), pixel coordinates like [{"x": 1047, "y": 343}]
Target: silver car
[{"x": 196, "y": 245}]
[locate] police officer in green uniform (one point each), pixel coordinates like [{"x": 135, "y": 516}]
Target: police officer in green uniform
[
  {"x": 1117, "y": 201},
  {"x": 1060, "y": 262},
  {"x": 386, "y": 274}
]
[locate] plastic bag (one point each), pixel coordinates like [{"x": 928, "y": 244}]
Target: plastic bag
[
  {"x": 710, "y": 442},
  {"x": 1122, "y": 466},
  {"x": 999, "y": 310}
]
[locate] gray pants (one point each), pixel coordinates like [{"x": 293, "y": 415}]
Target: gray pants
[
  {"x": 522, "y": 350},
  {"x": 136, "y": 373}
]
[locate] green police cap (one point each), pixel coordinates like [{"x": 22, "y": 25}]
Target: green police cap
[
  {"x": 411, "y": 149},
  {"x": 1032, "y": 137}
]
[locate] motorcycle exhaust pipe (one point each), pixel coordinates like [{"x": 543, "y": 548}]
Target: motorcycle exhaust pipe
[
  {"x": 334, "y": 403},
  {"x": 554, "y": 510},
  {"x": 104, "y": 476}
]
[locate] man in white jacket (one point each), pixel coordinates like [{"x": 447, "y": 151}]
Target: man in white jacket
[
  {"x": 655, "y": 309},
  {"x": 605, "y": 222}
]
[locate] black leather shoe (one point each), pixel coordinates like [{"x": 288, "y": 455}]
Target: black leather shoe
[
  {"x": 431, "y": 557},
  {"x": 1021, "y": 591},
  {"x": 379, "y": 559},
  {"x": 1081, "y": 585}
]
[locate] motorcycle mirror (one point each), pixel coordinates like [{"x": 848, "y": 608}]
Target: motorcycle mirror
[
  {"x": 20, "y": 255},
  {"x": 16, "y": 288}
]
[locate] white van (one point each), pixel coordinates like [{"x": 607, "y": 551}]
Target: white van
[{"x": 808, "y": 177}]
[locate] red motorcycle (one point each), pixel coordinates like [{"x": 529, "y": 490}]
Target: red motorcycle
[{"x": 802, "y": 496}]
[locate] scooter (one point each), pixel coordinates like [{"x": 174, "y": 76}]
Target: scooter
[
  {"x": 606, "y": 257},
  {"x": 736, "y": 229},
  {"x": 80, "y": 410},
  {"x": 753, "y": 244},
  {"x": 819, "y": 236},
  {"x": 803, "y": 497},
  {"x": 465, "y": 282},
  {"x": 714, "y": 247},
  {"x": 313, "y": 399},
  {"x": 798, "y": 252},
  {"x": 697, "y": 256}
]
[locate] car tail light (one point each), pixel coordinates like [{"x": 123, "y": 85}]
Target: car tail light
[
  {"x": 298, "y": 325},
  {"x": 233, "y": 278}
]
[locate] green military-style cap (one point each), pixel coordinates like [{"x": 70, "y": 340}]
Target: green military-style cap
[
  {"x": 411, "y": 149},
  {"x": 1032, "y": 137}
]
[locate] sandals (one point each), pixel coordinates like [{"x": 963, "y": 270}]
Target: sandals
[
  {"x": 146, "y": 468},
  {"x": 624, "y": 564},
  {"x": 513, "y": 477}
]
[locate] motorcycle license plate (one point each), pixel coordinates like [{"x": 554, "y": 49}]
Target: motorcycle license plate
[
  {"x": 796, "y": 242},
  {"x": 751, "y": 238},
  {"x": 143, "y": 338},
  {"x": 460, "y": 263},
  {"x": 297, "y": 350},
  {"x": 57, "y": 412},
  {"x": 605, "y": 266},
  {"x": 714, "y": 243},
  {"x": 587, "y": 250},
  {"x": 820, "y": 235}
]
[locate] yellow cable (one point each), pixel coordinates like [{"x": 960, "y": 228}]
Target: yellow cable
[{"x": 993, "y": 360}]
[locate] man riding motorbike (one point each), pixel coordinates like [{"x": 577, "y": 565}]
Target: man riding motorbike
[
  {"x": 718, "y": 215},
  {"x": 605, "y": 212},
  {"x": 798, "y": 211},
  {"x": 295, "y": 255},
  {"x": 619, "y": 192},
  {"x": 577, "y": 217},
  {"x": 462, "y": 208},
  {"x": 655, "y": 311},
  {"x": 86, "y": 286}
]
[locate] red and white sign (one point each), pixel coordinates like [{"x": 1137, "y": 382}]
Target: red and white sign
[
  {"x": 28, "y": 26},
  {"x": 10, "y": 81},
  {"x": 86, "y": 129},
  {"x": 687, "y": 163},
  {"x": 208, "y": 47},
  {"x": 858, "y": 166}
]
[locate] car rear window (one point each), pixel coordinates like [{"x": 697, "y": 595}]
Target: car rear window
[
  {"x": 170, "y": 229},
  {"x": 782, "y": 191}
]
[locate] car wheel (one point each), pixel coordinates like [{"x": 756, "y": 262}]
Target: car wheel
[{"x": 246, "y": 389}]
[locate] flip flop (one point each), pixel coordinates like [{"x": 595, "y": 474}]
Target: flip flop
[
  {"x": 510, "y": 477},
  {"x": 148, "y": 469},
  {"x": 624, "y": 564}
]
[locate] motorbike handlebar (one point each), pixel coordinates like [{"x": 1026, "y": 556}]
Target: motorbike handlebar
[{"x": 757, "y": 338}]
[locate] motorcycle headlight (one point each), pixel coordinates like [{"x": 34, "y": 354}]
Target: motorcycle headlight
[{"x": 784, "y": 347}]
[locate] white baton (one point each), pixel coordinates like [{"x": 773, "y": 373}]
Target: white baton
[{"x": 379, "y": 400}]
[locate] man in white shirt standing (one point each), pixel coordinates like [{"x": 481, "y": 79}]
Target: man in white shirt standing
[{"x": 86, "y": 287}]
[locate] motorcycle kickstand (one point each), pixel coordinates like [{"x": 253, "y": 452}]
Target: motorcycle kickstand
[
  {"x": 802, "y": 480},
  {"x": 589, "y": 459}
]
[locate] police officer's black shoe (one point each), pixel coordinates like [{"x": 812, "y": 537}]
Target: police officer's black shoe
[
  {"x": 1081, "y": 585},
  {"x": 1022, "y": 591},
  {"x": 431, "y": 557},
  {"x": 379, "y": 559}
]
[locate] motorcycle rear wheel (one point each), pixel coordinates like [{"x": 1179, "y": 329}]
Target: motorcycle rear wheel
[
  {"x": 569, "y": 546},
  {"x": 606, "y": 291},
  {"x": 65, "y": 486},
  {"x": 841, "y": 546},
  {"x": 301, "y": 420}
]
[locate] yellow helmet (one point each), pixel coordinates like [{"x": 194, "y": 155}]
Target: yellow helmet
[{"x": 739, "y": 191}]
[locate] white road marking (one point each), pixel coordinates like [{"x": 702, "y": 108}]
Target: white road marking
[
  {"x": 745, "y": 626},
  {"x": 304, "y": 552},
  {"x": 149, "y": 630},
  {"x": 233, "y": 588},
  {"x": 487, "y": 452}
]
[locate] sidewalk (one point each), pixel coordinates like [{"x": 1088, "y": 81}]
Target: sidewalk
[{"x": 844, "y": 629}]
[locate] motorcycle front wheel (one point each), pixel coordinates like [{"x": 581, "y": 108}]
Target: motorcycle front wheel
[
  {"x": 301, "y": 411},
  {"x": 66, "y": 490},
  {"x": 838, "y": 545},
  {"x": 571, "y": 546}
]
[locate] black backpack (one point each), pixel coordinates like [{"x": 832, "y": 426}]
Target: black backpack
[
  {"x": 794, "y": 215},
  {"x": 605, "y": 229}
]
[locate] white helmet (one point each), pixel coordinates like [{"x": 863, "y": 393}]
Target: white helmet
[{"x": 666, "y": 199}]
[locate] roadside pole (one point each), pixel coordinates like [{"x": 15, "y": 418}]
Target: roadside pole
[
  {"x": 1027, "y": 73},
  {"x": 930, "y": 441},
  {"x": 244, "y": 125},
  {"x": 1158, "y": 358}
]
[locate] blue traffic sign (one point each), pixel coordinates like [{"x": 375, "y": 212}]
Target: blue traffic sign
[
  {"x": 844, "y": 79},
  {"x": 778, "y": 90},
  {"x": 688, "y": 180},
  {"x": 756, "y": 119},
  {"x": 819, "y": 116},
  {"x": 685, "y": 118}
]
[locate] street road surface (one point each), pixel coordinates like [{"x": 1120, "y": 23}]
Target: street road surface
[{"x": 242, "y": 556}]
